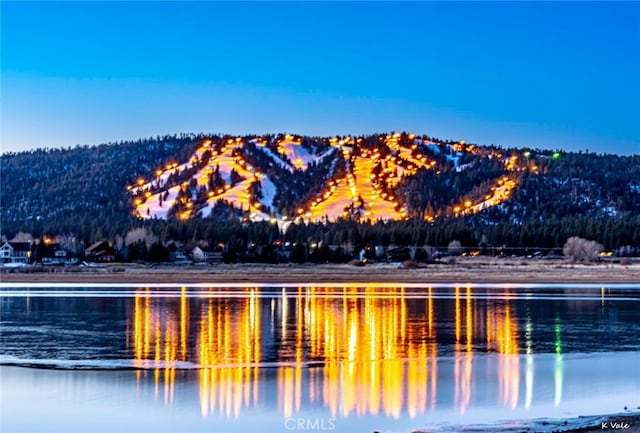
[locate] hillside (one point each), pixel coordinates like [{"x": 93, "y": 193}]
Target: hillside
[
  {"x": 363, "y": 179},
  {"x": 524, "y": 197}
]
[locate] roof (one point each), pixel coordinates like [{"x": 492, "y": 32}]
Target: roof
[
  {"x": 20, "y": 246},
  {"x": 96, "y": 246},
  {"x": 205, "y": 249}
]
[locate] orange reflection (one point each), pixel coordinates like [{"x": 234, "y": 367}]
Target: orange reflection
[
  {"x": 290, "y": 378},
  {"x": 229, "y": 350},
  {"x": 463, "y": 361},
  {"x": 184, "y": 322},
  {"x": 376, "y": 361},
  {"x": 502, "y": 336},
  {"x": 356, "y": 351},
  {"x": 156, "y": 335}
]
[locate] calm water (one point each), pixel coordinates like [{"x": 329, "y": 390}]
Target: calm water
[{"x": 344, "y": 359}]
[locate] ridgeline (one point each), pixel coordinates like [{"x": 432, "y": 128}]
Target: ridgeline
[{"x": 354, "y": 192}]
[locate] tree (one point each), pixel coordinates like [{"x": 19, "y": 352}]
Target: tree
[
  {"x": 583, "y": 250},
  {"x": 158, "y": 253},
  {"x": 455, "y": 247}
]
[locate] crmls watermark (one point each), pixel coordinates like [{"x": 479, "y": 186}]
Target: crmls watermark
[{"x": 310, "y": 424}]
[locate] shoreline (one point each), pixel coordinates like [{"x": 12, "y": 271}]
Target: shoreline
[
  {"x": 470, "y": 270},
  {"x": 628, "y": 422}
]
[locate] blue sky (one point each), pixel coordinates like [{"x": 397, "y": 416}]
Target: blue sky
[{"x": 550, "y": 75}]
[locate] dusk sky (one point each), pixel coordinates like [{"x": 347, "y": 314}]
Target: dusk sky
[{"x": 548, "y": 75}]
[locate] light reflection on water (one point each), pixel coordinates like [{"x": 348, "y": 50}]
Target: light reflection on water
[
  {"x": 375, "y": 357},
  {"x": 344, "y": 352}
]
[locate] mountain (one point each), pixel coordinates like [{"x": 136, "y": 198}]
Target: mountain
[{"x": 533, "y": 197}]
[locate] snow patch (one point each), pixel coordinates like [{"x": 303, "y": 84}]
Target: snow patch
[
  {"x": 434, "y": 148},
  {"x": 463, "y": 167},
  {"x": 268, "y": 191},
  {"x": 299, "y": 156},
  {"x": 151, "y": 207},
  {"x": 455, "y": 158},
  {"x": 276, "y": 158}
]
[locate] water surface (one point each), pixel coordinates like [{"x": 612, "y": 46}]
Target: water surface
[{"x": 345, "y": 359}]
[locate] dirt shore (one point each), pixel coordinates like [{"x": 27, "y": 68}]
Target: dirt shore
[{"x": 469, "y": 270}]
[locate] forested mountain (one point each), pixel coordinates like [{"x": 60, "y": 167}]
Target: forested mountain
[{"x": 380, "y": 189}]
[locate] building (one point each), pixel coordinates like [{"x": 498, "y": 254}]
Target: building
[
  {"x": 55, "y": 254},
  {"x": 15, "y": 252},
  {"x": 101, "y": 252},
  {"x": 177, "y": 255},
  {"x": 206, "y": 255}
]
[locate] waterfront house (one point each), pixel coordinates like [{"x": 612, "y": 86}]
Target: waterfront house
[
  {"x": 15, "y": 252},
  {"x": 55, "y": 254},
  {"x": 206, "y": 254}
]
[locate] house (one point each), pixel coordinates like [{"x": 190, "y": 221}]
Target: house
[
  {"x": 54, "y": 254},
  {"x": 100, "y": 251},
  {"x": 15, "y": 252},
  {"x": 206, "y": 255},
  {"x": 178, "y": 255},
  {"x": 398, "y": 254}
]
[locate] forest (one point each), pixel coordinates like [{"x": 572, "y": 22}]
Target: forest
[{"x": 82, "y": 193}]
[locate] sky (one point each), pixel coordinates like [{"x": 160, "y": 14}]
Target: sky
[{"x": 544, "y": 75}]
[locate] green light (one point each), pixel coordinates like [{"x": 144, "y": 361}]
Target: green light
[
  {"x": 558, "y": 372},
  {"x": 556, "y": 155},
  {"x": 558, "y": 329}
]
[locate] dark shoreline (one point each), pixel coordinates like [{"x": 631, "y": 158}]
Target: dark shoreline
[{"x": 469, "y": 270}]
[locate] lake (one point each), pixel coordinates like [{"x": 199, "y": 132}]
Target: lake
[{"x": 343, "y": 358}]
